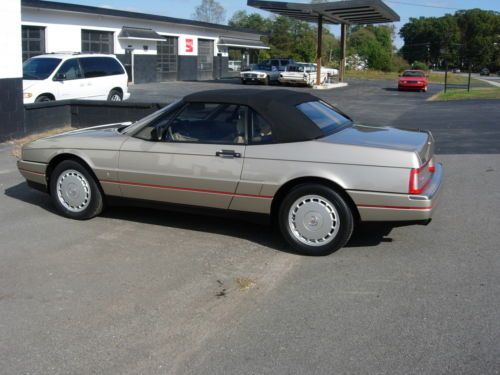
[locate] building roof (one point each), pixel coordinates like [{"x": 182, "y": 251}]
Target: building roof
[
  {"x": 139, "y": 34},
  {"x": 243, "y": 43},
  {"x": 67, "y": 7},
  {"x": 277, "y": 106},
  {"x": 349, "y": 12}
]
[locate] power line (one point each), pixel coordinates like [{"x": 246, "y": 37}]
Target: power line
[{"x": 421, "y": 5}]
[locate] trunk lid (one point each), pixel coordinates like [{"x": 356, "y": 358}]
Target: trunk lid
[{"x": 419, "y": 141}]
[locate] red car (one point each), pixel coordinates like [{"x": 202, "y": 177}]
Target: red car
[{"x": 413, "y": 80}]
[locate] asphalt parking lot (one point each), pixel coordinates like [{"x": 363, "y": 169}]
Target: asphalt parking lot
[{"x": 138, "y": 291}]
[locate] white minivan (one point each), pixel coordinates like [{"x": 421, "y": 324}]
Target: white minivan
[{"x": 74, "y": 76}]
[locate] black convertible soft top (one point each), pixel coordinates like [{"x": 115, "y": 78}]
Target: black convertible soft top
[{"x": 277, "y": 106}]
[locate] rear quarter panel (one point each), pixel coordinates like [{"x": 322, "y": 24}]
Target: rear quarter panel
[{"x": 268, "y": 167}]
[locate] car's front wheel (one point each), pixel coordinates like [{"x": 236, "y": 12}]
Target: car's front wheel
[
  {"x": 43, "y": 99},
  {"x": 315, "y": 219},
  {"x": 74, "y": 191}
]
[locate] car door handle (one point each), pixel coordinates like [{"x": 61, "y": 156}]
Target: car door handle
[{"x": 228, "y": 154}]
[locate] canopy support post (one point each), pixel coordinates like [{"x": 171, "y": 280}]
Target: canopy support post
[
  {"x": 318, "y": 50},
  {"x": 343, "y": 42}
]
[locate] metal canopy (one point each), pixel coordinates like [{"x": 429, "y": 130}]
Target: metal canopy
[
  {"x": 349, "y": 12},
  {"x": 241, "y": 43},
  {"x": 139, "y": 34}
]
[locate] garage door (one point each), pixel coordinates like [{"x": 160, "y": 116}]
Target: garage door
[
  {"x": 167, "y": 59},
  {"x": 205, "y": 59}
]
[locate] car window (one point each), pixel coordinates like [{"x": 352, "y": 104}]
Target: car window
[
  {"x": 39, "y": 68},
  {"x": 324, "y": 116},
  {"x": 100, "y": 67},
  {"x": 275, "y": 62},
  {"x": 70, "y": 69},
  {"x": 263, "y": 67},
  {"x": 209, "y": 123},
  {"x": 410, "y": 73},
  {"x": 260, "y": 130},
  {"x": 156, "y": 129}
]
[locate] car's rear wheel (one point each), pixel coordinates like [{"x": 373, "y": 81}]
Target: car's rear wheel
[
  {"x": 315, "y": 219},
  {"x": 74, "y": 191},
  {"x": 115, "y": 96},
  {"x": 43, "y": 99}
]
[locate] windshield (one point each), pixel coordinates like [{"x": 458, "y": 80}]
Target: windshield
[
  {"x": 263, "y": 67},
  {"x": 136, "y": 126},
  {"x": 295, "y": 68},
  {"x": 413, "y": 73},
  {"x": 39, "y": 68},
  {"x": 324, "y": 116}
]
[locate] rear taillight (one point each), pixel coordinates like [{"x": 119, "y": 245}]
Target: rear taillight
[{"x": 420, "y": 177}]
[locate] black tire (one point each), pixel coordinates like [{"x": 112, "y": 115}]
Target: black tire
[
  {"x": 345, "y": 220},
  {"x": 243, "y": 82},
  {"x": 266, "y": 81},
  {"x": 95, "y": 201},
  {"x": 115, "y": 96},
  {"x": 43, "y": 99}
]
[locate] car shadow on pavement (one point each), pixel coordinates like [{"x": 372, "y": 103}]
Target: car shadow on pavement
[{"x": 257, "y": 231}]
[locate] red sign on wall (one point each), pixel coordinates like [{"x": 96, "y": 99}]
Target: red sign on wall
[{"x": 189, "y": 45}]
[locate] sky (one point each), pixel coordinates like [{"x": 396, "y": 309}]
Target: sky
[{"x": 185, "y": 8}]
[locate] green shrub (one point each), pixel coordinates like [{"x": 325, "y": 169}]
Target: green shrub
[
  {"x": 419, "y": 65},
  {"x": 399, "y": 64}
]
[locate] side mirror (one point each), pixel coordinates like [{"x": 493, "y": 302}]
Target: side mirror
[{"x": 60, "y": 77}]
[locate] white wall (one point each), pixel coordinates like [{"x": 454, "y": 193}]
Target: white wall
[
  {"x": 63, "y": 30},
  {"x": 10, "y": 39}
]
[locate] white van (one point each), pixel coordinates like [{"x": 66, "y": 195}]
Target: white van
[{"x": 74, "y": 76}]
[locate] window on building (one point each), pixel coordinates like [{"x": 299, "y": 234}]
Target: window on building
[
  {"x": 33, "y": 38},
  {"x": 167, "y": 59},
  {"x": 97, "y": 41},
  {"x": 100, "y": 67},
  {"x": 205, "y": 55}
]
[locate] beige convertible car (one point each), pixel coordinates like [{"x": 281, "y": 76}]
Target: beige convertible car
[{"x": 282, "y": 153}]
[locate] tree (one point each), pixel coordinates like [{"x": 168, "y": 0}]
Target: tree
[
  {"x": 373, "y": 43},
  {"x": 468, "y": 36},
  {"x": 479, "y": 31},
  {"x": 209, "y": 11},
  {"x": 252, "y": 21}
]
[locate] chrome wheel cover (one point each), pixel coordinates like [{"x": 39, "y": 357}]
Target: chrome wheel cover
[
  {"x": 73, "y": 190},
  {"x": 313, "y": 220},
  {"x": 116, "y": 98}
]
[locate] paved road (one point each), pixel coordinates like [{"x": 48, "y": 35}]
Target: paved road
[
  {"x": 137, "y": 291},
  {"x": 459, "y": 127}
]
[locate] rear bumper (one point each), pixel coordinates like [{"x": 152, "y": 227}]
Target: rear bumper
[
  {"x": 374, "y": 206},
  {"x": 126, "y": 96}
]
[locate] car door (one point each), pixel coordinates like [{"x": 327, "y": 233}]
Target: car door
[
  {"x": 69, "y": 80},
  {"x": 191, "y": 157},
  {"x": 96, "y": 76}
]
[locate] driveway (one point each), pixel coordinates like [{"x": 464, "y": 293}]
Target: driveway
[{"x": 137, "y": 291}]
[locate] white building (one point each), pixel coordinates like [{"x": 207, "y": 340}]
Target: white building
[{"x": 153, "y": 48}]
